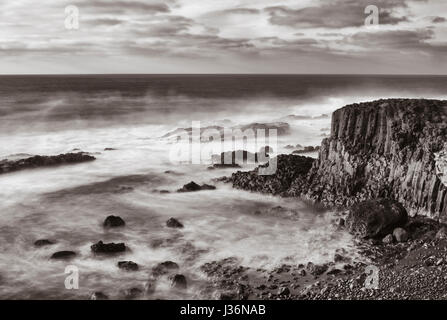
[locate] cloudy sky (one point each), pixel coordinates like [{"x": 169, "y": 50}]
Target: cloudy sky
[{"x": 224, "y": 36}]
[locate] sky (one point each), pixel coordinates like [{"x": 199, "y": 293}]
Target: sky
[{"x": 223, "y": 36}]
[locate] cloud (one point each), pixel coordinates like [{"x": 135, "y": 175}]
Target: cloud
[{"x": 335, "y": 14}]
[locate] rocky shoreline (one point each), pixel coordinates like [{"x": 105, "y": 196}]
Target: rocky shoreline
[{"x": 381, "y": 162}]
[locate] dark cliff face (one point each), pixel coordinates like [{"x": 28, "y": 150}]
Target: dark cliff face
[{"x": 384, "y": 148}]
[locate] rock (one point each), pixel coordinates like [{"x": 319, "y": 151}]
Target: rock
[
  {"x": 149, "y": 286},
  {"x": 43, "y": 242},
  {"x": 173, "y": 223},
  {"x": 109, "y": 149},
  {"x": 164, "y": 268},
  {"x": 108, "y": 248},
  {"x": 178, "y": 281},
  {"x": 132, "y": 293},
  {"x": 400, "y": 235},
  {"x": 340, "y": 222},
  {"x": 316, "y": 270},
  {"x": 192, "y": 187},
  {"x": 99, "y": 296},
  {"x": 302, "y": 272},
  {"x": 113, "y": 221},
  {"x": 128, "y": 265},
  {"x": 339, "y": 258},
  {"x": 283, "y": 291},
  {"x": 388, "y": 239},
  {"x": 442, "y": 233},
  {"x": 227, "y": 295},
  {"x": 44, "y": 161},
  {"x": 63, "y": 255},
  {"x": 375, "y": 218},
  {"x": 224, "y": 166}
]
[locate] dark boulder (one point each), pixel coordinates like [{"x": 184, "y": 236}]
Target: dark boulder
[
  {"x": 164, "y": 268},
  {"x": 128, "y": 265},
  {"x": 113, "y": 221},
  {"x": 173, "y": 223},
  {"x": 178, "y": 281},
  {"x": 192, "y": 187},
  {"x": 98, "y": 296},
  {"x": 43, "y": 242},
  {"x": 375, "y": 218},
  {"x": 108, "y": 248},
  {"x": 63, "y": 255},
  {"x": 315, "y": 269}
]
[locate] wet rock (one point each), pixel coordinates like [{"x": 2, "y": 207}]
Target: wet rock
[
  {"x": 128, "y": 265},
  {"x": 315, "y": 269},
  {"x": 109, "y": 149},
  {"x": 178, "y": 281},
  {"x": 339, "y": 258},
  {"x": 149, "y": 286},
  {"x": 400, "y": 235},
  {"x": 173, "y": 223},
  {"x": 442, "y": 233},
  {"x": 43, "y": 242},
  {"x": 63, "y": 255},
  {"x": 224, "y": 166},
  {"x": 113, "y": 221},
  {"x": 108, "y": 248},
  {"x": 44, "y": 161},
  {"x": 99, "y": 296},
  {"x": 192, "y": 187},
  {"x": 132, "y": 293},
  {"x": 388, "y": 239},
  {"x": 283, "y": 291},
  {"x": 375, "y": 218},
  {"x": 164, "y": 268}
]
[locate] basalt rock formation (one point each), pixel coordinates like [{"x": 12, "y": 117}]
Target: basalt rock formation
[
  {"x": 382, "y": 149},
  {"x": 44, "y": 161}
]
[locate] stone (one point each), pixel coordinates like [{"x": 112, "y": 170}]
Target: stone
[
  {"x": 128, "y": 265},
  {"x": 190, "y": 187},
  {"x": 164, "y": 268},
  {"x": 63, "y": 255},
  {"x": 441, "y": 234},
  {"x": 388, "y": 239},
  {"x": 375, "y": 218},
  {"x": 173, "y": 223},
  {"x": 400, "y": 235},
  {"x": 132, "y": 293},
  {"x": 98, "y": 296},
  {"x": 315, "y": 269},
  {"x": 43, "y": 242},
  {"x": 108, "y": 248},
  {"x": 283, "y": 291},
  {"x": 113, "y": 221},
  {"x": 178, "y": 281}
]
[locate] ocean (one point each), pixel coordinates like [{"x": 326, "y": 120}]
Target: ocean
[{"x": 130, "y": 116}]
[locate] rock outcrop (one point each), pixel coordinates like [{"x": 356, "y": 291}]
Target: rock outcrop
[
  {"x": 382, "y": 149},
  {"x": 44, "y": 161}
]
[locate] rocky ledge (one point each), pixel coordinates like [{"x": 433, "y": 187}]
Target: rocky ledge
[
  {"x": 381, "y": 149},
  {"x": 44, "y": 161}
]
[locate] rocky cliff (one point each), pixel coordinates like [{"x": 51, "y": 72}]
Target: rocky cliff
[{"x": 386, "y": 148}]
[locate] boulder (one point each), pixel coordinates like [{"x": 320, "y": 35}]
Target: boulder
[
  {"x": 128, "y": 265},
  {"x": 173, "y": 223},
  {"x": 108, "y": 248},
  {"x": 442, "y": 233},
  {"x": 388, "y": 239},
  {"x": 375, "y": 218},
  {"x": 113, "y": 221},
  {"x": 178, "y": 281},
  {"x": 43, "y": 242},
  {"x": 98, "y": 296},
  {"x": 284, "y": 291},
  {"x": 192, "y": 187},
  {"x": 315, "y": 269},
  {"x": 164, "y": 268},
  {"x": 400, "y": 235},
  {"x": 63, "y": 255}
]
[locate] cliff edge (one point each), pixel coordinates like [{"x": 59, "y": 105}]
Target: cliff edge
[{"x": 394, "y": 148}]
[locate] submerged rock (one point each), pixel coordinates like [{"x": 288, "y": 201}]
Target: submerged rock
[
  {"x": 99, "y": 296},
  {"x": 43, "y": 242},
  {"x": 63, "y": 255},
  {"x": 178, "y": 281},
  {"x": 224, "y": 166},
  {"x": 375, "y": 218},
  {"x": 108, "y": 248},
  {"x": 44, "y": 161},
  {"x": 113, "y": 221},
  {"x": 173, "y": 223},
  {"x": 164, "y": 268},
  {"x": 128, "y": 265},
  {"x": 192, "y": 187}
]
